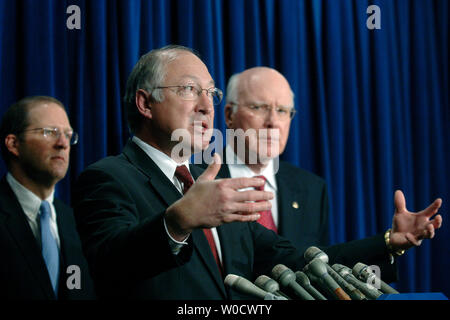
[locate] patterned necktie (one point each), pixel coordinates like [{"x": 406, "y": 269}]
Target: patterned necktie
[
  {"x": 50, "y": 250},
  {"x": 266, "y": 218},
  {"x": 183, "y": 175}
]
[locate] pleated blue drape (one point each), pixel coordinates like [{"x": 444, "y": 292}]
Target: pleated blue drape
[{"x": 373, "y": 110}]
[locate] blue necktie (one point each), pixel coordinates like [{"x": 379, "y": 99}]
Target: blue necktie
[{"x": 50, "y": 250}]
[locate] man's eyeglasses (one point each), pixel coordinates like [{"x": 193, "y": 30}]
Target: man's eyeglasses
[
  {"x": 262, "y": 110},
  {"x": 190, "y": 93},
  {"x": 54, "y": 134}
]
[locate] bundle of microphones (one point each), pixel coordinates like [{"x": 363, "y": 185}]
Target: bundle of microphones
[{"x": 317, "y": 281}]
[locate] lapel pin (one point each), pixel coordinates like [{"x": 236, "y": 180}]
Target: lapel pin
[{"x": 295, "y": 205}]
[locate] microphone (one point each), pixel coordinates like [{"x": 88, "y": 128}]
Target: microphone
[
  {"x": 361, "y": 271},
  {"x": 318, "y": 268},
  {"x": 286, "y": 278},
  {"x": 245, "y": 286},
  {"x": 370, "y": 291},
  {"x": 315, "y": 253},
  {"x": 303, "y": 280},
  {"x": 268, "y": 284}
]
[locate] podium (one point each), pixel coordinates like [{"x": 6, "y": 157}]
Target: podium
[{"x": 414, "y": 296}]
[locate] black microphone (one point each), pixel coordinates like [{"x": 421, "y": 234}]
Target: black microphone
[
  {"x": 268, "y": 284},
  {"x": 315, "y": 253},
  {"x": 245, "y": 286},
  {"x": 369, "y": 291},
  {"x": 363, "y": 272},
  {"x": 303, "y": 280},
  {"x": 286, "y": 278},
  {"x": 319, "y": 269}
]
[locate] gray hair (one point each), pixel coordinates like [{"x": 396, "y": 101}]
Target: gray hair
[
  {"x": 232, "y": 95},
  {"x": 148, "y": 73}
]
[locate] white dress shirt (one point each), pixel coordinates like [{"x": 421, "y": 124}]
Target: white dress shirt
[
  {"x": 30, "y": 204},
  {"x": 238, "y": 169},
  {"x": 168, "y": 167}
]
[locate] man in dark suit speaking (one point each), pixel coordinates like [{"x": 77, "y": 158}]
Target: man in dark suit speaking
[
  {"x": 41, "y": 256},
  {"x": 147, "y": 229}
]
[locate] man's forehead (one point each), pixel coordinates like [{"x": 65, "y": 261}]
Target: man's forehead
[
  {"x": 47, "y": 112},
  {"x": 188, "y": 67},
  {"x": 266, "y": 92},
  {"x": 187, "y": 78}
]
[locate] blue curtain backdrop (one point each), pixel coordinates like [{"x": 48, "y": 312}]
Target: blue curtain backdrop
[{"x": 373, "y": 104}]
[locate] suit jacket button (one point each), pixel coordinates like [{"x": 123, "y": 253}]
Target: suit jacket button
[{"x": 295, "y": 205}]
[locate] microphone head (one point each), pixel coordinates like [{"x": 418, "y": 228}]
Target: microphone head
[
  {"x": 283, "y": 274},
  {"x": 337, "y": 267},
  {"x": 268, "y": 284},
  {"x": 314, "y": 252},
  {"x": 231, "y": 279},
  {"x": 302, "y": 278},
  {"x": 341, "y": 269},
  {"x": 317, "y": 267},
  {"x": 358, "y": 270}
]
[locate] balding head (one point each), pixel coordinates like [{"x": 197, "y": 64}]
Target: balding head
[
  {"x": 255, "y": 79},
  {"x": 260, "y": 99}
]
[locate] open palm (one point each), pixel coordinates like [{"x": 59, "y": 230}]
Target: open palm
[{"x": 410, "y": 228}]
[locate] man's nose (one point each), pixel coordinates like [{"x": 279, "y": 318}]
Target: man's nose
[
  {"x": 62, "y": 141},
  {"x": 205, "y": 102},
  {"x": 271, "y": 118}
]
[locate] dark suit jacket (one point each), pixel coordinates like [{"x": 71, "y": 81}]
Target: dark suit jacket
[
  {"x": 23, "y": 273},
  {"x": 119, "y": 206},
  {"x": 302, "y": 205}
]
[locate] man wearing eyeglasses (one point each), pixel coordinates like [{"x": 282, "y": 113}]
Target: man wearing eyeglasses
[
  {"x": 149, "y": 231},
  {"x": 261, "y": 99},
  {"x": 38, "y": 238}
]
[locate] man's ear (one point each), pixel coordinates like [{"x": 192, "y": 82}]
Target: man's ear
[
  {"x": 12, "y": 144},
  {"x": 229, "y": 115},
  {"x": 143, "y": 103}
]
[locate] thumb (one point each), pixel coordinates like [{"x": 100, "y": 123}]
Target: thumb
[
  {"x": 213, "y": 169},
  {"x": 399, "y": 201}
]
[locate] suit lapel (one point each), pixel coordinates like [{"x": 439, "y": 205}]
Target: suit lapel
[
  {"x": 159, "y": 182},
  {"x": 201, "y": 244},
  {"x": 291, "y": 199},
  {"x": 19, "y": 229},
  {"x": 204, "y": 252}
]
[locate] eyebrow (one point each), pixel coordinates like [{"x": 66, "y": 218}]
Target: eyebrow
[
  {"x": 260, "y": 103},
  {"x": 196, "y": 79}
]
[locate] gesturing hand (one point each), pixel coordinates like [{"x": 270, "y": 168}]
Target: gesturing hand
[
  {"x": 210, "y": 203},
  {"x": 410, "y": 228}
]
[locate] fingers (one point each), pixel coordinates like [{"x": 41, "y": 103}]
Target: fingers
[
  {"x": 240, "y": 217},
  {"x": 252, "y": 195},
  {"x": 429, "y": 233},
  {"x": 413, "y": 239},
  {"x": 433, "y": 208},
  {"x": 241, "y": 183},
  {"x": 213, "y": 169},
  {"x": 399, "y": 201},
  {"x": 437, "y": 221}
]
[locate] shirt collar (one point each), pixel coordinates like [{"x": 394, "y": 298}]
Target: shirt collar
[
  {"x": 163, "y": 161},
  {"x": 239, "y": 169},
  {"x": 29, "y": 202}
]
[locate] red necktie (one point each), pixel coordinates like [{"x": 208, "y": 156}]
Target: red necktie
[
  {"x": 183, "y": 175},
  {"x": 266, "y": 218}
]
